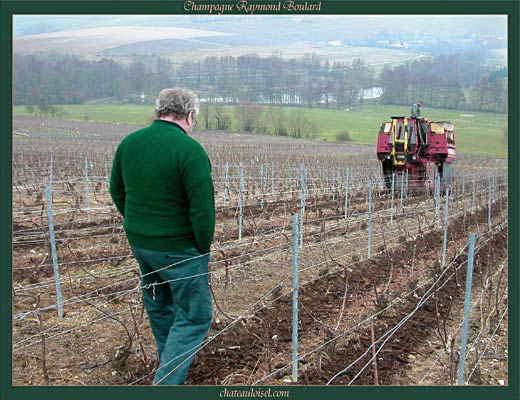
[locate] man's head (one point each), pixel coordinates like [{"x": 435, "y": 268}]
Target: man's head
[
  {"x": 178, "y": 105},
  {"x": 419, "y": 103}
]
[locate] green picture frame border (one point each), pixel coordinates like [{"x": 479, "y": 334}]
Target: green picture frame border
[{"x": 361, "y": 7}]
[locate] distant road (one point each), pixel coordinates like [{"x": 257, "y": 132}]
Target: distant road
[{"x": 382, "y": 63}]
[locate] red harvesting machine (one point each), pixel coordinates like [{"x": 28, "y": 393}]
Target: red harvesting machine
[{"x": 418, "y": 146}]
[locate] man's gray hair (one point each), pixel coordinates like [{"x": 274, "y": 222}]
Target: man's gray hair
[{"x": 176, "y": 102}]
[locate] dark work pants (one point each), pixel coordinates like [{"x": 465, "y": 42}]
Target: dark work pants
[{"x": 178, "y": 303}]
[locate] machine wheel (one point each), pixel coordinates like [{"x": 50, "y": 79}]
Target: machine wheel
[
  {"x": 388, "y": 169},
  {"x": 446, "y": 172}
]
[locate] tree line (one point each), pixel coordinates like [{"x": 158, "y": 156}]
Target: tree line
[
  {"x": 453, "y": 82},
  {"x": 457, "y": 81}
]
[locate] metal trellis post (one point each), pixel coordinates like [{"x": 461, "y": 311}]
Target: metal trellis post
[
  {"x": 241, "y": 201},
  {"x": 467, "y": 304},
  {"x": 489, "y": 205},
  {"x": 226, "y": 185},
  {"x": 327, "y": 179},
  {"x": 392, "y": 206},
  {"x": 295, "y": 301},
  {"x": 438, "y": 200},
  {"x": 445, "y": 239},
  {"x": 87, "y": 193},
  {"x": 107, "y": 176},
  {"x": 50, "y": 172},
  {"x": 302, "y": 209},
  {"x": 333, "y": 183},
  {"x": 54, "y": 253},
  {"x": 407, "y": 179},
  {"x": 473, "y": 195},
  {"x": 262, "y": 186},
  {"x": 272, "y": 178},
  {"x": 493, "y": 186},
  {"x": 402, "y": 188},
  {"x": 346, "y": 193},
  {"x": 369, "y": 216}
]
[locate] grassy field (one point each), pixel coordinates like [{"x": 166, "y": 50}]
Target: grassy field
[
  {"x": 369, "y": 55},
  {"x": 476, "y": 133}
]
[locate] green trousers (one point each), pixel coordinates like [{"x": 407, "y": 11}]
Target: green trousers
[{"x": 177, "y": 299}]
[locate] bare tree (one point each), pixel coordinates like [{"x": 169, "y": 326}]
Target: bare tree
[
  {"x": 300, "y": 127},
  {"x": 205, "y": 115},
  {"x": 248, "y": 116},
  {"x": 278, "y": 118},
  {"x": 222, "y": 120}
]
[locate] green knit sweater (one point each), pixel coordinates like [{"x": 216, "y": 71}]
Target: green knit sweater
[{"x": 161, "y": 184}]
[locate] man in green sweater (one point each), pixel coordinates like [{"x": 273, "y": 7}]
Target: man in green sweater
[{"x": 161, "y": 184}]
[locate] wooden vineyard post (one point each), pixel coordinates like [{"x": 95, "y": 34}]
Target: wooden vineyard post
[
  {"x": 48, "y": 196},
  {"x": 445, "y": 239},
  {"x": 467, "y": 301},
  {"x": 295, "y": 300},
  {"x": 374, "y": 358},
  {"x": 369, "y": 216}
]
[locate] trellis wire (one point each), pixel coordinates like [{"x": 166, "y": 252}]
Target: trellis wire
[
  {"x": 459, "y": 326},
  {"x": 488, "y": 343},
  {"x": 235, "y": 246},
  {"x": 361, "y": 323},
  {"x": 393, "y": 330}
]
